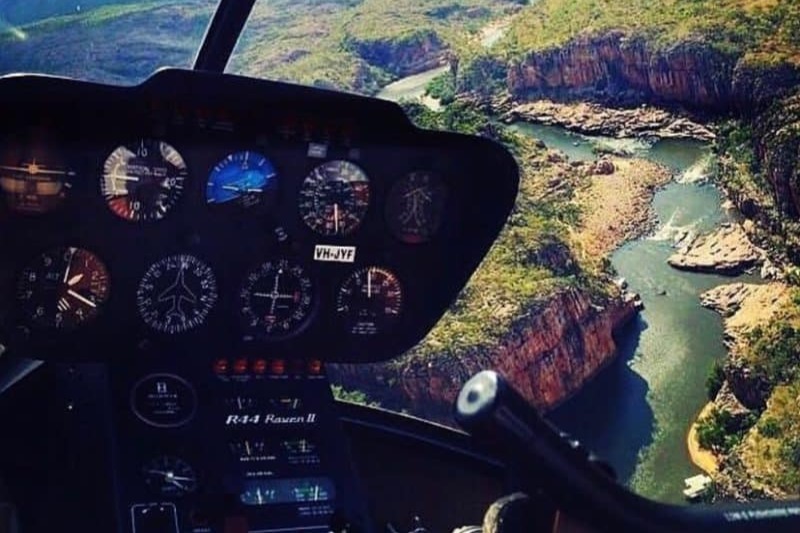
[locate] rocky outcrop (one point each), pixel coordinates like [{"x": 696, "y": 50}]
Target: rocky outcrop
[
  {"x": 549, "y": 355},
  {"x": 623, "y": 69},
  {"x": 405, "y": 55},
  {"x": 594, "y": 119},
  {"x": 726, "y": 251}
]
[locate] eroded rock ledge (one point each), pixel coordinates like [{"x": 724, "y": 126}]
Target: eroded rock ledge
[{"x": 725, "y": 251}]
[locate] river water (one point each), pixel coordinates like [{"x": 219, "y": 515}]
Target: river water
[{"x": 636, "y": 413}]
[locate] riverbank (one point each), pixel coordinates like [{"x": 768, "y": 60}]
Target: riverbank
[
  {"x": 702, "y": 458},
  {"x": 617, "y": 203},
  {"x": 594, "y": 119}
]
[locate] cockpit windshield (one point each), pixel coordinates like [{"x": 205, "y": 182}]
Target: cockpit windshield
[{"x": 644, "y": 291}]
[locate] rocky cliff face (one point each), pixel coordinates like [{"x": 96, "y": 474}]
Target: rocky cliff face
[
  {"x": 403, "y": 56},
  {"x": 549, "y": 355},
  {"x": 620, "y": 69}
]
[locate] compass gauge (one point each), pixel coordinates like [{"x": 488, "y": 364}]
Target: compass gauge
[
  {"x": 144, "y": 180},
  {"x": 176, "y": 294}
]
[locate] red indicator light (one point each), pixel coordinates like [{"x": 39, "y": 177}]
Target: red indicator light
[
  {"x": 315, "y": 367},
  {"x": 259, "y": 366},
  {"x": 221, "y": 366},
  {"x": 240, "y": 366},
  {"x": 278, "y": 367}
]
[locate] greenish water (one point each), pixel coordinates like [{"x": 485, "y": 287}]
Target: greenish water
[{"x": 637, "y": 412}]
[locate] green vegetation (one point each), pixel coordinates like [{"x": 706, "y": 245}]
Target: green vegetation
[
  {"x": 764, "y": 29},
  {"x": 720, "y": 431},
  {"x": 443, "y": 88},
  {"x": 352, "y": 396},
  {"x": 715, "y": 379},
  {"x": 774, "y": 350}
]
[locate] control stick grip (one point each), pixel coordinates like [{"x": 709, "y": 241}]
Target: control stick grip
[{"x": 500, "y": 419}]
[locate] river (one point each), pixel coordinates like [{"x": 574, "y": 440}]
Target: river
[{"x": 636, "y": 413}]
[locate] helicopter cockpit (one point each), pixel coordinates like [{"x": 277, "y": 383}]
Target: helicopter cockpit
[{"x": 182, "y": 259}]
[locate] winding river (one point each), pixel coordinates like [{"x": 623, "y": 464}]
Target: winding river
[{"x": 637, "y": 411}]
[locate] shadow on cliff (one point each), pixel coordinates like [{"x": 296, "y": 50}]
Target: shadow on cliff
[{"x": 611, "y": 415}]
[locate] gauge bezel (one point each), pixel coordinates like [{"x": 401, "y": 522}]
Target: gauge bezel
[
  {"x": 164, "y": 375},
  {"x": 307, "y": 182},
  {"x": 263, "y": 201},
  {"x": 384, "y": 327}
]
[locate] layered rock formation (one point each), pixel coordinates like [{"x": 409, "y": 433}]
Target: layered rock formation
[
  {"x": 549, "y": 355},
  {"x": 622, "y": 69},
  {"x": 726, "y": 251},
  {"x": 403, "y": 56}
]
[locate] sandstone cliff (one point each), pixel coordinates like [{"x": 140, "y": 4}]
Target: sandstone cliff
[
  {"x": 549, "y": 355},
  {"x": 621, "y": 69},
  {"x": 405, "y": 55}
]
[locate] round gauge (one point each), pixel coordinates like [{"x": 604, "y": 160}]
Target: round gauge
[
  {"x": 244, "y": 179},
  {"x": 63, "y": 288},
  {"x": 415, "y": 206},
  {"x": 176, "y": 294},
  {"x": 169, "y": 476},
  {"x": 277, "y": 299},
  {"x": 334, "y": 198},
  {"x": 143, "y": 181},
  {"x": 370, "y": 301},
  {"x": 34, "y": 180},
  {"x": 163, "y": 400}
]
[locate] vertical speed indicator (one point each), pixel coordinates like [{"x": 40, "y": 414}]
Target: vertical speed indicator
[
  {"x": 370, "y": 301},
  {"x": 143, "y": 180}
]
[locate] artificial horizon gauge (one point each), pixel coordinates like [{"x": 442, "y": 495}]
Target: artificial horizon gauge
[
  {"x": 244, "y": 179},
  {"x": 63, "y": 289},
  {"x": 143, "y": 180},
  {"x": 370, "y": 301},
  {"x": 34, "y": 180},
  {"x": 176, "y": 294},
  {"x": 415, "y": 207},
  {"x": 334, "y": 198},
  {"x": 277, "y": 300},
  {"x": 169, "y": 476}
]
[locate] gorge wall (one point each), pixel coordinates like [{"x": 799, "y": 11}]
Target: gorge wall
[
  {"x": 549, "y": 355},
  {"x": 627, "y": 70}
]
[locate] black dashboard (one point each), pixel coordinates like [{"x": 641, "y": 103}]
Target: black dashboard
[
  {"x": 186, "y": 255},
  {"x": 227, "y": 215}
]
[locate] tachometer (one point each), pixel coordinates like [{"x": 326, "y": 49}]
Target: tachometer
[
  {"x": 143, "y": 181},
  {"x": 176, "y": 294},
  {"x": 34, "y": 181},
  {"x": 370, "y": 301},
  {"x": 277, "y": 299},
  {"x": 63, "y": 288},
  {"x": 415, "y": 206},
  {"x": 334, "y": 198},
  {"x": 244, "y": 179}
]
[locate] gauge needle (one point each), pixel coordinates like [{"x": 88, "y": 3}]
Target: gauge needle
[
  {"x": 69, "y": 265},
  {"x": 81, "y": 298},
  {"x": 39, "y": 170},
  {"x": 369, "y": 283},
  {"x": 122, "y": 177},
  {"x": 75, "y": 280},
  {"x": 336, "y": 217}
]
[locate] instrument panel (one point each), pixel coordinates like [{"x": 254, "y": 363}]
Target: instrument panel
[{"x": 199, "y": 213}]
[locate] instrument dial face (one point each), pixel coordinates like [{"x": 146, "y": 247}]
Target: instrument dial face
[
  {"x": 176, "y": 294},
  {"x": 34, "y": 181},
  {"x": 243, "y": 179},
  {"x": 415, "y": 206},
  {"x": 163, "y": 400},
  {"x": 143, "y": 181},
  {"x": 170, "y": 476},
  {"x": 370, "y": 301},
  {"x": 334, "y": 198},
  {"x": 277, "y": 299},
  {"x": 63, "y": 288}
]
